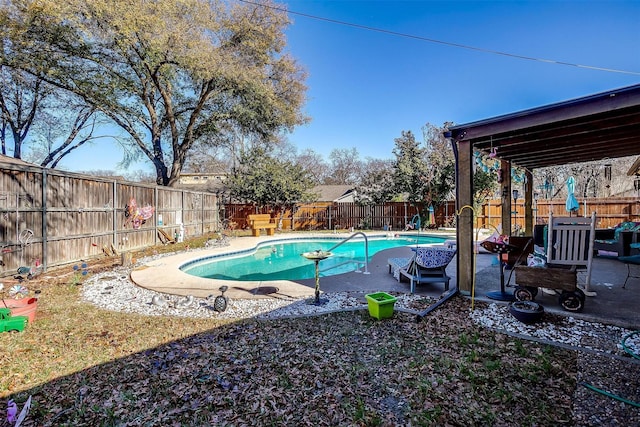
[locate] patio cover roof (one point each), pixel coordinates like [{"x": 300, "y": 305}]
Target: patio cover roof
[
  {"x": 591, "y": 128},
  {"x": 595, "y": 127}
]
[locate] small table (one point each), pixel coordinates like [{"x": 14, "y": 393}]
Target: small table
[{"x": 500, "y": 249}]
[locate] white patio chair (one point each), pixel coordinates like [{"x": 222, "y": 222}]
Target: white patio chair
[{"x": 571, "y": 244}]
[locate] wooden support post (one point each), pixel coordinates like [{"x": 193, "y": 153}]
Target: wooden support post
[
  {"x": 505, "y": 171},
  {"x": 464, "y": 230},
  {"x": 528, "y": 203}
]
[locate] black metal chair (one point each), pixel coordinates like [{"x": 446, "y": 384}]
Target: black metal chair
[{"x": 630, "y": 260}]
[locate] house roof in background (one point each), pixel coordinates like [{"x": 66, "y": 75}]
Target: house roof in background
[
  {"x": 594, "y": 127},
  {"x": 211, "y": 174},
  {"x": 331, "y": 193}
]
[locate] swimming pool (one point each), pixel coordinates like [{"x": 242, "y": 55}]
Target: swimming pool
[{"x": 282, "y": 259}]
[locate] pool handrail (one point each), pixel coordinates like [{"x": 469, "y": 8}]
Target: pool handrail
[
  {"x": 366, "y": 248},
  {"x": 351, "y": 261}
]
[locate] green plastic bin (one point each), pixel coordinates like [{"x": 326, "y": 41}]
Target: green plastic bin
[{"x": 380, "y": 305}]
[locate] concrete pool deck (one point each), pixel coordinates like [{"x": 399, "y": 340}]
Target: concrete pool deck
[
  {"x": 164, "y": 274},
  {"x": 612, "y": 305}
]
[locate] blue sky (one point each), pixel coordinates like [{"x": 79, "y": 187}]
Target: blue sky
[{"x": 366, "y": 87}]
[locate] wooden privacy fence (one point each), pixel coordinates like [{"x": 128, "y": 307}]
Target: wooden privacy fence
[
  {"x": 59, "y": 217},
  {"x": 609, "y": 211},
  {"x": 330, "y": 216}
]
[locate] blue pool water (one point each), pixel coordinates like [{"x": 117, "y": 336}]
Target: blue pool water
[{"x": 282, "y": 259}]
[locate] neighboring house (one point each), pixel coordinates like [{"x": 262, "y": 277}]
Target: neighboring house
[
  {"x": 211, "y": 182},
  {"x": 200, "y": 178},
  {"x": 334, "y": 193}
]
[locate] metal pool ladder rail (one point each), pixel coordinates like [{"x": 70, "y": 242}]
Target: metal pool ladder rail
[{"x": 366, "y": 253}]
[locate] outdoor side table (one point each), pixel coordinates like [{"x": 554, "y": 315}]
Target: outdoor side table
[{"x": 500, "y": 249}]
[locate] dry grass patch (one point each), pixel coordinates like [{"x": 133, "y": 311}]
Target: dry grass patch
[{"x": 86, "y": 366}]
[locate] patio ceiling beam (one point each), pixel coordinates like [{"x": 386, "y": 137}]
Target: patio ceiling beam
[{"x": 562, "y": 137}]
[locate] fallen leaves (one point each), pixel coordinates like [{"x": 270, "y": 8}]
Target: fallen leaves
[
  {"x": 338, "y": 369},
  {"x": 335, "y": 369}
]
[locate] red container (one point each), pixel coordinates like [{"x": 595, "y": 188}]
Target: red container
[{"x": 22, "y": 307}]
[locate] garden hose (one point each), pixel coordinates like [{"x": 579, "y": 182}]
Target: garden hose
[
  {"x": 626, "y": 348},
  {"x": 442, "y": 300},
  {"x": 630, "y": 352},
  {"x": 606, "y": 393}
]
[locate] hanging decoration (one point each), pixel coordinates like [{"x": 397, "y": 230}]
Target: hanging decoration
[
  {"x": 489, "y": 163},
  {"x": 493, "y": 152},
  {"x": 137, "y": 216},
  {"x": 486, "y": 163},
  {"x": 517, "y": 176}
]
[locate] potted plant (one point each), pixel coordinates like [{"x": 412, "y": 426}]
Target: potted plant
[{"x": 380, "y": 304}]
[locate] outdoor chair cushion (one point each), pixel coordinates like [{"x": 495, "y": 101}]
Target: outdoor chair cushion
[
  {"x": 426, "y": 257},
  {"x": 432, "y": 257},
  {"x": 623, "y": 226}
]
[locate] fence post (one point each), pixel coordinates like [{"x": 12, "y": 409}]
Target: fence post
[
  {"x": 45, "y": 231},
  {"x": 155, "y": 216},
  {"x": 114, "y": 220}
]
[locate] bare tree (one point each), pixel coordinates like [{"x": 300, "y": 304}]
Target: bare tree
[
  {"x": 21, "y": 97},
  {"x": 315, "y": 165},
  {"x": 345, "y": 166}
]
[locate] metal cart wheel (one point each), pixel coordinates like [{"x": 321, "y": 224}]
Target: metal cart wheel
[
  {"x": 525, "y": 293},
  {"x": 581, "y": 295},
  {"x": 571, "y": 301}
]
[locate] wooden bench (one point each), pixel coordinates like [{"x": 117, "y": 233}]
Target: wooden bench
[{"x": 258, "y": 222}]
